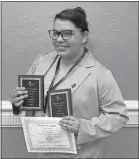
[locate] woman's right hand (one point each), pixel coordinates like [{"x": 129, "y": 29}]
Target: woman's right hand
[{"x": 18, "y": 95}]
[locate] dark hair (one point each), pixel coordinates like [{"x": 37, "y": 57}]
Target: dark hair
[{"x": 76, "y": 15}]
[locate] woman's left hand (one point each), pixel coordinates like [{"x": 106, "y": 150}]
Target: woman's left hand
[{"x": 70, "y": 123}]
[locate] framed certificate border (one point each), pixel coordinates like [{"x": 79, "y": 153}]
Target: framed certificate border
[
  {"x": 27, "y": 125},
  {"x": 39, "y": 78},
  {"x": 67, "y": 92}
]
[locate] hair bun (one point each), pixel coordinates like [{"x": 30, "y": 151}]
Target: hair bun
[{"x": 80, "y": 10}]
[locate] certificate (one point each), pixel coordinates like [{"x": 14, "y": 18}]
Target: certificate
[{"x": 44, "y": 134}]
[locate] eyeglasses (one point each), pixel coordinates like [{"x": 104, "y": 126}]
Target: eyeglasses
[{"x": 65, "y": 34}]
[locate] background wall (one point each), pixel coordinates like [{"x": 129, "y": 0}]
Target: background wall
[
  {"x": 0, "y": 77},
  {"x": 113, "y": 39}
]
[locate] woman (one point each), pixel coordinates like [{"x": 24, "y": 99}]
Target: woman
[{"x": 98, "y": 105}]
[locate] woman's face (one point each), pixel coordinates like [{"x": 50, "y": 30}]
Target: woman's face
[{"x": 71, "y": 47}]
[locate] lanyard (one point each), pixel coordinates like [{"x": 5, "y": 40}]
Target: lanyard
[{"x": 52, "y": 86}]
